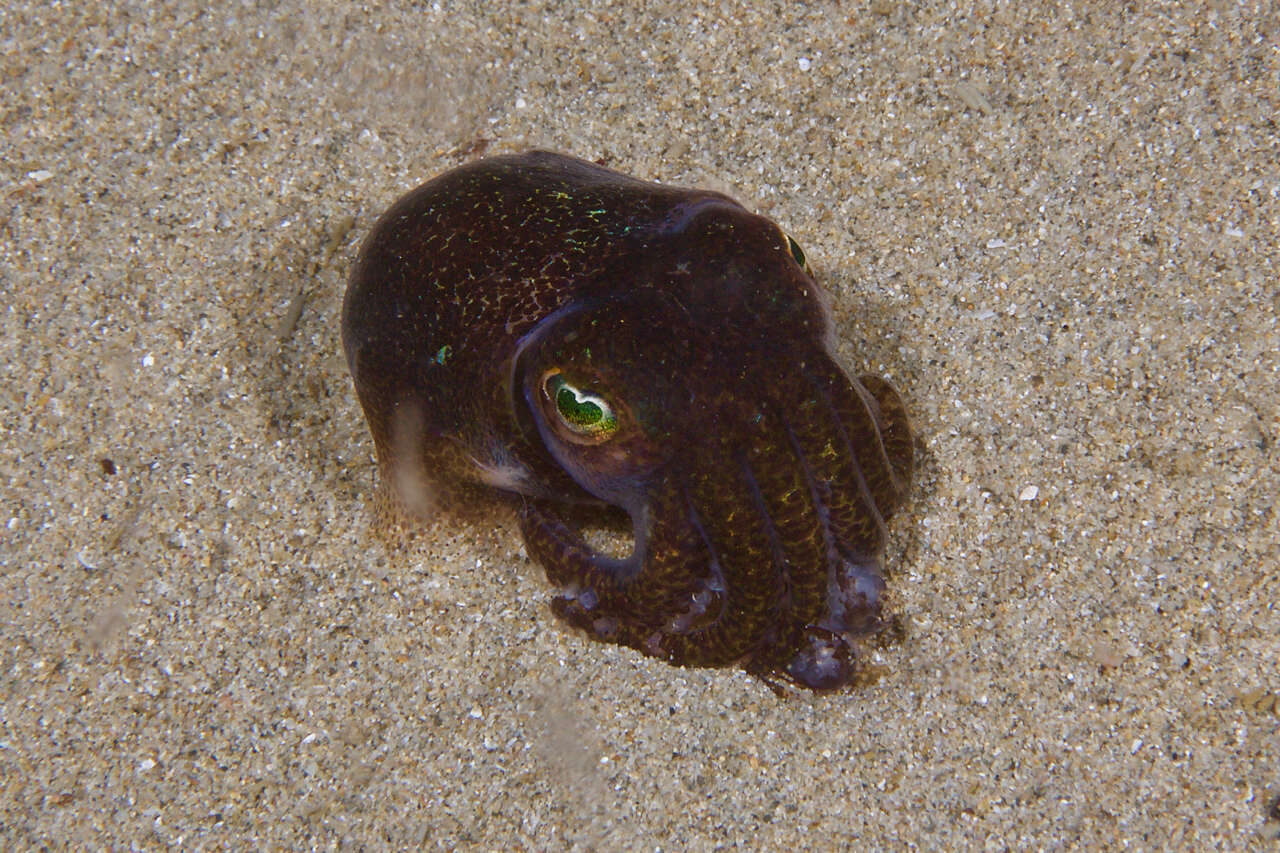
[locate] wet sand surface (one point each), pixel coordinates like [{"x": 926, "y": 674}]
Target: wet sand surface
[{"x": 1057, "y": 231}]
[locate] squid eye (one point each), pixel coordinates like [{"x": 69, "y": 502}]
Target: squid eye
[
  {"x": 583, "y": 413},
  {"x": 797, "y": 252}
]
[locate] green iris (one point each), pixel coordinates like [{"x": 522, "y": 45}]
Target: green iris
[{"x": 581, "y": 411}]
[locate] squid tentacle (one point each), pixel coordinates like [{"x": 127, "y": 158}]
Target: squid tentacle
[
  {"x": 798, "y": 515},
  {"x": 895, "y": 432},
  {"x": 738, "y": 542},
  {"x": 861, "y": 463},
  {"x": 644, "y": 587}
]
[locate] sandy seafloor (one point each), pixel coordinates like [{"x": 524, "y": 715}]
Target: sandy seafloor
[{"x": 1055, "y": 228}]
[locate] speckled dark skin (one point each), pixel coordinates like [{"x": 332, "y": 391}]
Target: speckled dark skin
[{"x": 701, "y": 399}]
